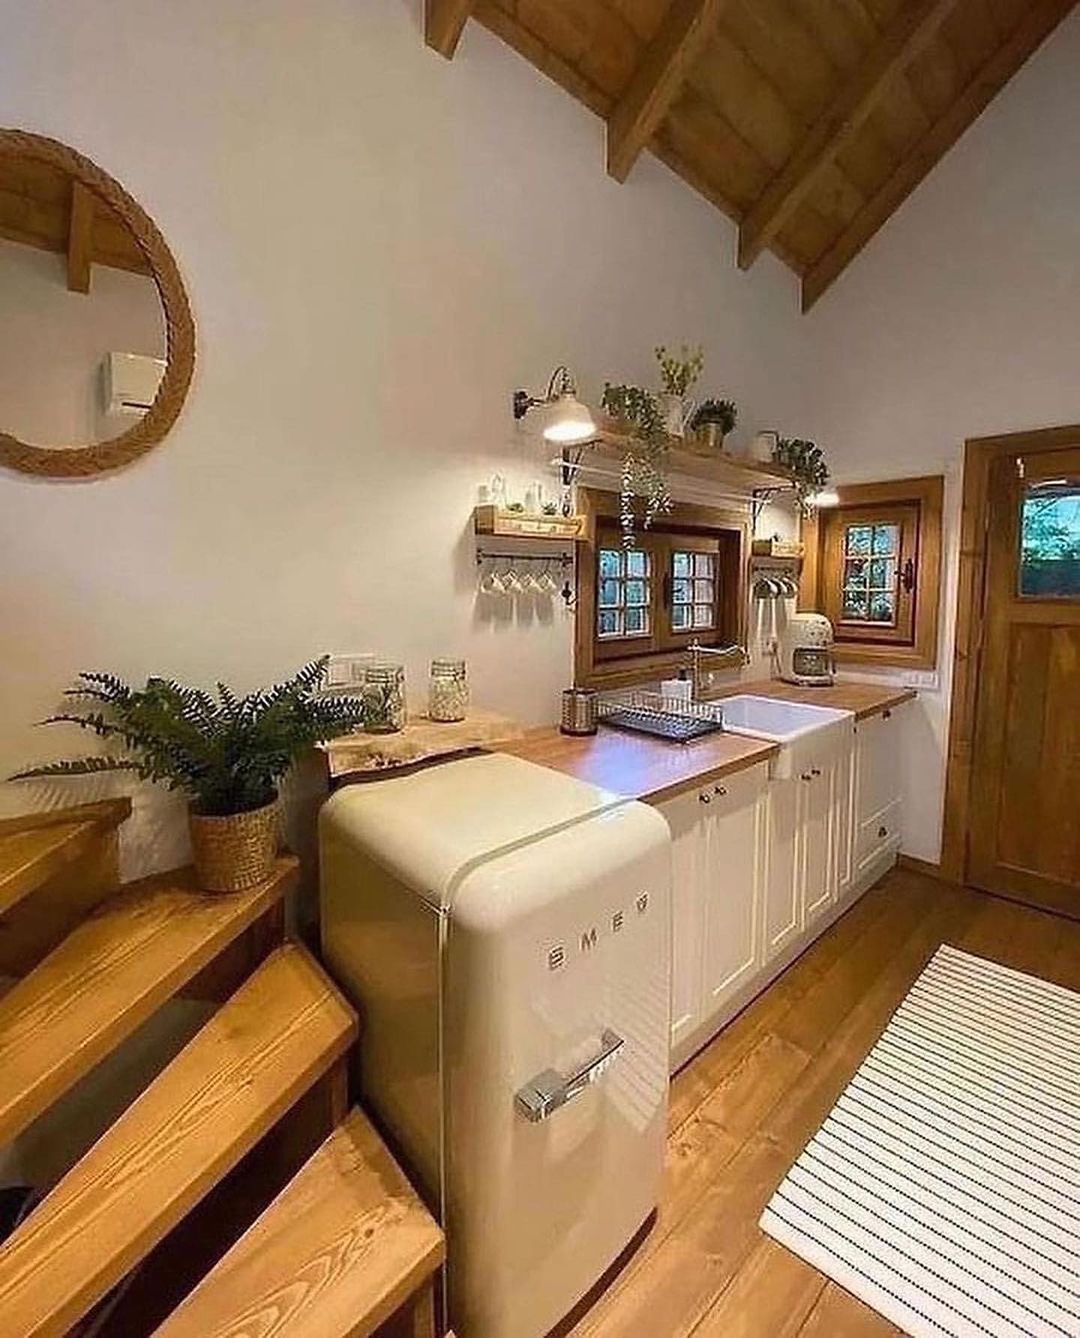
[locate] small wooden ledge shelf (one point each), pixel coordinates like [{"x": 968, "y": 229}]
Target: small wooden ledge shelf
[
  {"x": 422, "y": 740},
  {"x": 719, "y": 467},
  {"x": 489, "y": 520}
]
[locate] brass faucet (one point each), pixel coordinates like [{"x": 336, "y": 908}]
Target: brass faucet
[{"x": 723, "y": 657}]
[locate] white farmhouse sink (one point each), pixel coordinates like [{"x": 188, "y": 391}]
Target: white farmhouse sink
[{"x": 803, "y": 732}]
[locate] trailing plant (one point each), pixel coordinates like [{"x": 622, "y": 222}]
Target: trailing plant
[
  {"x": 226, "y": 752},
  {"x": 679, "y": 371},
  {"x": 643, "y": 473},
  {"x": 806, "y": 461},
  {"x": 722, "y": 412}
]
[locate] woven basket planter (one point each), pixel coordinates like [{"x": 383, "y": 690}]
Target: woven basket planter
[{"x": 236, "y": 852}]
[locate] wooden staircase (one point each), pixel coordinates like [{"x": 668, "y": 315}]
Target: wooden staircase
[{"x": 174, "y": 1191}]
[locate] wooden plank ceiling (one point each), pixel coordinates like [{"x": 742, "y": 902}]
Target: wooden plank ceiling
[
  {"x": 806, "y": 121},
  {"x": 41, "y": 206}
]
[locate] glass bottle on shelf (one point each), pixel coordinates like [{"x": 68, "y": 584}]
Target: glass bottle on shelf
[
  {"x": 448, "y": 690},
  {"x": 384, "y": 698}
]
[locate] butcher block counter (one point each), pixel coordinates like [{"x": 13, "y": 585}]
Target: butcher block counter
[{"x": 642, "y": 767}]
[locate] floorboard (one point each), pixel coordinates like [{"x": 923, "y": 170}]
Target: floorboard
[{"x": 743, "y": 1109}]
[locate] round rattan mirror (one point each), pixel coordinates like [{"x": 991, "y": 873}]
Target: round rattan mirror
[{"x": 97, "y": 341}]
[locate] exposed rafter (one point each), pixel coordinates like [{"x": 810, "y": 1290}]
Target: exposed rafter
[
  {"x": 915, "y": 26},
  {"x": 80, "y": 238},
  {"x": 1040, "y": 20},
  {"x": 443, "y": 24},
  {"x": 657, "y": 81}
]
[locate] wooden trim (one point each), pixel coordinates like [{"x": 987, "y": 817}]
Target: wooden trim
[
  {"x": 81, "y": 461},
  {"x": 980, "y": 454},
  {"x": 444, "y": 22},
  {"x": 986, "y": 82},
  {"x": 929, "y": 493},
  {"x": 915, "y": 26},
  {"x": 80, "y": 238},
  {"x": 598, "y": 504},
  {"x": 106, "y": 813},
  {"x": 657, "y": 81}
]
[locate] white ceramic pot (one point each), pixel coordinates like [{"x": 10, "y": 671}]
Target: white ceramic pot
[
  {"x": 676, "y": 411},
  {"x": 762, "y": 446}
]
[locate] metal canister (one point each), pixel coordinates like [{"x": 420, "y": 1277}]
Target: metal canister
[{"x": 579, "y": 711}]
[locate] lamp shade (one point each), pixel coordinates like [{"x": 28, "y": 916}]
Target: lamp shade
[
  {"x": 826, "y": 497},
  {"x": 568, "y": 420}
]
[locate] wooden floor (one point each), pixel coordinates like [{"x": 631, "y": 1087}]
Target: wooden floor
[{"x": 742, "y": 1110}]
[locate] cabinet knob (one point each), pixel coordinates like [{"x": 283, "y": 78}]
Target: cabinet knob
[
  {"x": 886, "y": 715},
  {"x": 882, "y": 832},
  {"x": 704, "y": 798},
  {"x": 806, "y": 776},
  {"x": 720, "y": 789},
  {"x": 815, "y": 771}
]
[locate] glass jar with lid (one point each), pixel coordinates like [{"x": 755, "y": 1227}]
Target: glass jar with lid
[
  {"x": 448, "y": 690},
  {"x": 384, "y": 698}
]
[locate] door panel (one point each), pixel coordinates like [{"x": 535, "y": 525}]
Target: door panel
[
  {"x": 687, "y": 912},
  {"x": 815, "y": 827},
  {"x": 1024, "y": 838},
  {"x": 782, "y": 897},
  {"x": 733, "y": 887}
]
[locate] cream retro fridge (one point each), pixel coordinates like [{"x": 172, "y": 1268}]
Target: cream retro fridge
[{"x": 505, "y": 932}]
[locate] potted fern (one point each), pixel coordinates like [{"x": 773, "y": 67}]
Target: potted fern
[{"x": 226, "y": 752}]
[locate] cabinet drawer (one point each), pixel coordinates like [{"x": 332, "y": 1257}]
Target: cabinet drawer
[{"x": 878, "y": 833}]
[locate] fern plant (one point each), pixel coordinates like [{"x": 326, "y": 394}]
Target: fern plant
[{"x": 226, "y": 752}]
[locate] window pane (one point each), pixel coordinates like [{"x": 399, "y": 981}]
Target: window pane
[
  {"x": 680, "y": 618},
  {"x": 1050, "y": 540},
  {"x": 637, "y": 562},
  {"x": 856, "y": 571},
  {"x": 856, "y": 605},
  {"x": 882, "y": 607},
  {"x": 611, "y": 561},
  {"x": 883, "y": 574},
  {"x": 886, "y": 539},
  {"x": 703, "y": 615},
  {"x": 637, "y": 621},
  {"x": 636, "y": 592},
  {"x": 858, "y": 539},
  {"x": 609, "y": 623},
  {"x": 681, "y": 592},
  {"x": 680, "y": 564},
  {"x": 610, "y": 593},
  {"x": 703, "y": 564},
  {"x": 703, "y": 592}
]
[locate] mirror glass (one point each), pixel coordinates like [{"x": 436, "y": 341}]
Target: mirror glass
[{"x": 82, "y": 326}]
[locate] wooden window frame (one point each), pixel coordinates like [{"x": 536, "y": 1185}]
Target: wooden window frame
[
  {"x": 918, "y": 648},
  {"x": 598, "y": 668}
]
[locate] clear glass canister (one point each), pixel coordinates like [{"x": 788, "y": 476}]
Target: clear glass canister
[
  {"x": 384, "y": 698},
  {"x": 448, "y": 690}
]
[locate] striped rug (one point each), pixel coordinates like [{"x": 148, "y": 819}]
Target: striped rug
[{"x": 944, "y": 1187}]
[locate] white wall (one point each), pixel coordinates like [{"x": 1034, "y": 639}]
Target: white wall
[
  {"x": 379, "y": 247},
  {"x": 961, "y": 318},
  {"x": 53, "y": 342}
]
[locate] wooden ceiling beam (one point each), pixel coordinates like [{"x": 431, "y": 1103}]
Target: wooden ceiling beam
[
  {"x": 1038, "y": 23},
  {"x": 80, "y": 238},
  {"x": 914, "y": 27},
  {"x": 444, "y": 21},
  {"x": 657, "y": 80}
]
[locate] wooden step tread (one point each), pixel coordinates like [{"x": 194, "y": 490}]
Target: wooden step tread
[
  {"x": 340, "y": 1249},
  {"x": 108, "y": 976},
  {"x": 36, "y": 846},
  {"x": 267, "y": 1045}
]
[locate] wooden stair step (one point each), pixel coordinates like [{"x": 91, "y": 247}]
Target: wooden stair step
[
  {"x": 267, "y": 1045},
  {"x": 342, "y": 1247},
  {"x": 108, "y": 976},
  {"x": 36, "y": 847}
]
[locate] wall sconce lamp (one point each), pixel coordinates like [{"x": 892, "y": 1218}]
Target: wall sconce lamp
[
  {"x": 826, "y": 497},
  {"x": 567, "y": 420}
]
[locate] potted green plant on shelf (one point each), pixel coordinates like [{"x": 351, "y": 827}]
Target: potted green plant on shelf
[
  {"x": 637, "y": 418},
  {"x": 678, "y": 375},
  {"x": 806, "y": 461},
  {"x": 226, "y": 752},
  {"x": 711, "y": 422}
]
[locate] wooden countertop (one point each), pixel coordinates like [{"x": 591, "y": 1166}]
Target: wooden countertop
[{"x": 641, "y": 767}]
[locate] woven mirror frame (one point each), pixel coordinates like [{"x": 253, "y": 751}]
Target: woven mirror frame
[{"x": 100, "y": 457}]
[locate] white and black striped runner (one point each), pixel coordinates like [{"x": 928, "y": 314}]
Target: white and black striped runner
[{"x": 944, "y": 1187}]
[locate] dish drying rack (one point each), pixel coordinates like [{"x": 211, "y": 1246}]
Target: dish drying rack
[{"x": 663, "y": 717}]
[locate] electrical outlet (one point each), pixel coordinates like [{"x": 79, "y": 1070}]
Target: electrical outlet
[
  {"x": 347, "y": 671},
  {"x": 926, "y": 679}
]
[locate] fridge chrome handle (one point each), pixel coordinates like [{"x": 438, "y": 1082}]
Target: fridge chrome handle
[{"x": 543, "y": 1095}]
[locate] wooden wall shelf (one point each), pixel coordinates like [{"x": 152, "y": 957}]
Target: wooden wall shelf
[
  {"x": 522, "y": 525},
  {"x": 719, "y": 467}
]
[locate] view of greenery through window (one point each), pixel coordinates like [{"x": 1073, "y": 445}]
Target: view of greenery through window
[{"x": 1050, "y": 540}]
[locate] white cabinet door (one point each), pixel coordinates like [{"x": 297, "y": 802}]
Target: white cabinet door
[
  {"x": 815, "y": 835},
  {"x": 878, "y": 787},
  {"x": 782, "y": 878},
  {"x": 733, "y": 885},
  {"x": 845, "y": 817},
  {"x": 684, "y": 815}
]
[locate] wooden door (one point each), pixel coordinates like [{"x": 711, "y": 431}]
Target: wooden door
[{"x": 1024, "y": 830}]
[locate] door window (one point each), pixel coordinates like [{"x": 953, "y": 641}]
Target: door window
[{"x": 1050, "y": 540}]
